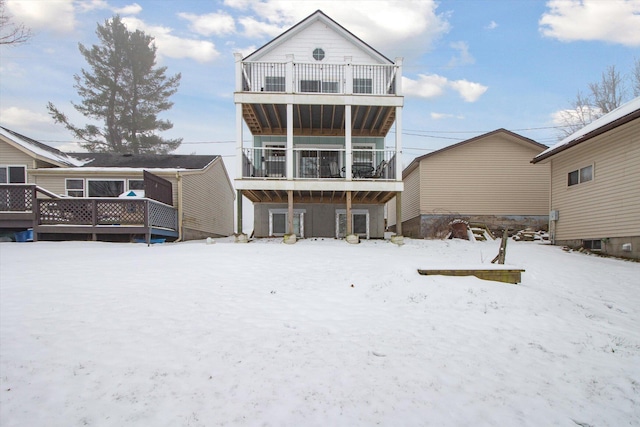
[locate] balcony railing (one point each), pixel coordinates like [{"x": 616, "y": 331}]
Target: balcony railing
[
  {"x": 318, "y": 163},
  {"x": 298, "y": 77}
]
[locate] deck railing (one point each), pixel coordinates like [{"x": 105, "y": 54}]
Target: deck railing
[
  {"x": 296, "y": 77},
  {"x": 17, "y": 197},
  {"x": 319, "y": 163},
  {"x": 106, "y": 211}
]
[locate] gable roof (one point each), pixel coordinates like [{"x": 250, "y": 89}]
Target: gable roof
[
  {"x": 318, "y": 15},
  {"x": 621, "y": 115},
  {"x": 414, "y": 164},
  {"x": 145, "y": 161},
  {"x": 38, "y": 149}
]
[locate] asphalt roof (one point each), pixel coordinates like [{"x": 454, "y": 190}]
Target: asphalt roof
[
  {"x": 151, "y": 161},
  {"x": 39, "y": 148}
]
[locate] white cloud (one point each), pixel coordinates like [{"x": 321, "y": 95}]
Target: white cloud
[
  {"x": 21, "y": 117},
  {"x": 88, "y": 5},
  {"x": 469, "y": 91},
  {"x": 614, "y": 21},
  {"x": 219, "y": 23},
  {"x": 427, "y": 86},
  {"x": 407, "y": 27},
  {"x": 173, "y": 46},
  {"x": 434, "y": 85},
  {"x": 491, "y": 26},
  {"x": 57, "y": 16},
  {"x": 464, "y": 57},
  {"x": 441, "y": 116},
  {"x": 132, "y": 9}
]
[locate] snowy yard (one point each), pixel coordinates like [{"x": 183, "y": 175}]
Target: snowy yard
[{"x": 318, "y": 333}]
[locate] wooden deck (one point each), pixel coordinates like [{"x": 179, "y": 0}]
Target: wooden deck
[
  {"x": 21, "y": 209},
  {"x": 498, "y": 275}
]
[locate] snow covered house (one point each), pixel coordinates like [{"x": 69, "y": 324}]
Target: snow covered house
[
  {"x": 595, "y": 184},
  {"x": 488, "y": 179},
  {"x": 103, "y": 196},
  {"x": 318, "y": 102}
]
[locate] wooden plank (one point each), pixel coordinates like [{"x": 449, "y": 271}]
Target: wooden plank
[{"x": 497, "y": 275}]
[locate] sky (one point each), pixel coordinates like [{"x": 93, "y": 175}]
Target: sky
[{"x": 469, "y": 67}]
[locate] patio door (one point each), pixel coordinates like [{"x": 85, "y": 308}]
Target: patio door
[
  {"x": 359, "y": 222},
  {"x": 279, "y": 219}
]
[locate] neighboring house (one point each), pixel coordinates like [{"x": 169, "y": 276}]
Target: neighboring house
[
  {"x": 595, "y": 184},
  {"x": 487, "y": 179},
  {"x": 319, "y": 103},
  {"x": 175, "y": 196}
]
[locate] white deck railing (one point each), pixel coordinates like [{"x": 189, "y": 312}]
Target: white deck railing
[{"x": 296, "y": 77}]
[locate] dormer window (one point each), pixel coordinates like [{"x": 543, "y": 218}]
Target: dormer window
[{"x": 318, "y": 54}]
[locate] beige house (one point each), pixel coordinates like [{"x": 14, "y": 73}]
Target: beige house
[
  {"x": 595, "y": 184},
  {"x": 99, "y": 194},
  {"x": 487, "y": 179}
]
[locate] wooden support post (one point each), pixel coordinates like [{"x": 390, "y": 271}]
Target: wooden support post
[
  {"x": 349, "y": 219},
  {"x": 399, "y": 213},
  {"x": 239, "y": 213},
  {"x": 290, "y": 216},
  {"x": 502, "y": 253}
]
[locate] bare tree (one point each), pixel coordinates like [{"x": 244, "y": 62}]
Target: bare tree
[
  {"x": 12, "y": 34},
  {"x": 603, "y": 97}
]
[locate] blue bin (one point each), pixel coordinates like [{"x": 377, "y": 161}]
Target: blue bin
[{"x": 24, "y": 236}]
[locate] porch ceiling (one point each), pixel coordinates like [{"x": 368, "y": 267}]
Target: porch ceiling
[
  {"x": 304, "y": 196},
  {"x": 271, "y": 119}
]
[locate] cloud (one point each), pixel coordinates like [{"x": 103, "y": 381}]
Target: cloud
[
  {"x": 613, "y": 21},
  {"x": 56, "y": 16},
  {"x": 441, "y": 116},
  {"x": 491, "y": 26},
  {"x": 88, "y": 5},
  {"x": 408, "y": 27},
  {"x": 469, "y": 91},
  {"x": 21, "y": 117},
  {"x": 464, "y": 57},
  {"x": 434, "y": 85},
  {"x": 173, "y": 46},
  {"x": 427, "y": 86},
  {"x": 219, "y": 23},
  {"x": 132, "y": 9}
]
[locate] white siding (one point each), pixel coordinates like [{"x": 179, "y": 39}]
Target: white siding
[
  {"x": 10, "y": 155},
  {"x": 609, "y": 205},
  {"x": 490, "y": 176},
  {"x": 319, "y": 35}
]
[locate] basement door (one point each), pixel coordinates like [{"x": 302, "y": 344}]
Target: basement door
[{"x": 359, "y": 222}]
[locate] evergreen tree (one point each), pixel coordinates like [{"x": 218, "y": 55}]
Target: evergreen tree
[{"x": 124, "y": 89}]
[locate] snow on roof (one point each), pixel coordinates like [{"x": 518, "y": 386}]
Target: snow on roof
[
  {"x": 40, "y": 149},
  {"x": 107, "y": 169},
  {"x": 617, "y": 114}
]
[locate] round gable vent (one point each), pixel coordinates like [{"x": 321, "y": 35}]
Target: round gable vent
[{"x": 318, "y": 54}]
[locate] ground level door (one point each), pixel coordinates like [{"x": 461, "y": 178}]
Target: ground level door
[{"x": 359, "y": 221}]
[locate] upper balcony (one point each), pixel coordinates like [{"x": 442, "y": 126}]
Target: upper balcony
[{"x": 343, "y": 79}]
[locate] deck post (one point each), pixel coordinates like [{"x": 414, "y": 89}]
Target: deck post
[
  {"x": 349, "y": 219},
  {"x": 239, "y": 213},
  {"x": 290, "y": 215},
  {"x": 399, "y": 213}
]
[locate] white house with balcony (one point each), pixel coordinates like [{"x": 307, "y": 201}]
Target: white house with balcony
[{"x": 319, "y": 103}]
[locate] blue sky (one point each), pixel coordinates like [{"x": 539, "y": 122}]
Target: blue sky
[{"x": 470, "y": 67}]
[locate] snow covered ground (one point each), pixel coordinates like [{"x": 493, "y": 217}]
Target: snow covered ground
[{"x": 318, "y": 333}]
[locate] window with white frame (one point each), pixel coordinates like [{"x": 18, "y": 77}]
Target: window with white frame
[
  {"x": 13, "y": 174},
  {"x": 580, "y": 176},
  {"x": 74, "y": 187},
  {"x": 317, "y": 86},
  {"x": 105, "y": 187},
  {"x": 279, "y": 220},
  {"x": 362, "y": 86},
  {"x": 136, "y": 184},
  {"x": 274, "y": 84}
]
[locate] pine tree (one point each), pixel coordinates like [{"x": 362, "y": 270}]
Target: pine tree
[{"x": 124, "y": 89}]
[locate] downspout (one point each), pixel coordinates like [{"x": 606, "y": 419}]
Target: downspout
[{"x": 179, "y": 180}]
